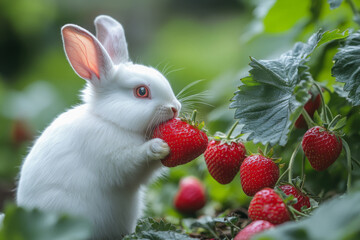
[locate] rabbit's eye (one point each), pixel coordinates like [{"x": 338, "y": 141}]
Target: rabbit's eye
[{"x": 142, "y": 92}]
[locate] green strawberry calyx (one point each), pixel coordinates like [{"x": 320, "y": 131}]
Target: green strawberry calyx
[
  {"x": 191, "y": 120},
  {"x": 290, "y": 200},
  {"x": 227, "y": 137}
]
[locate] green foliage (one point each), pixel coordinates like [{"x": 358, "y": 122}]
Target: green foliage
[
  {"x": 284, "y": 9},
  {"x": 22, "y": 224},
  {"x": 346, "y": 67},
  {"x": 335, "y": 219},
  {"x": 156, "y": 230},
  {"x": 271, "y": 98},
  {"x": 208, "y": 223}
]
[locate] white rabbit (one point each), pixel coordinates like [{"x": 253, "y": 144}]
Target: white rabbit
[{"x": 94, "y": 159}]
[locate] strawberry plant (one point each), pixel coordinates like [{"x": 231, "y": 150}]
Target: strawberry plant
[{"x": 298, "y": 95}]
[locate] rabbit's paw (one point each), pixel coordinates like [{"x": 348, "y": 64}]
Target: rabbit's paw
[{"x": 158, "y": 149}]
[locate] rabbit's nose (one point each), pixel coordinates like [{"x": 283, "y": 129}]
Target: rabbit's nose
[{"x": 175, "y": 111}]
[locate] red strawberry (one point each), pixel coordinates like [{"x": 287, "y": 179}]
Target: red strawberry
[
  {"x": 186, "y": 141},
  {"x": 302, "y": 199},
  {"x": 321, "y": 147},
  {"x": 258, "y": 172},
  {"x": 252, "y": 229},
  {"x": 223, "y": 159},
  {"x": 268, "y": 205},
  {"x": 191, "y": 195},
  {"x": 311, "y": 106}
]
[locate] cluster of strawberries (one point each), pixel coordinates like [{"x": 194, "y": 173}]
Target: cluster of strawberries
[{"x": 259, "y": 173}]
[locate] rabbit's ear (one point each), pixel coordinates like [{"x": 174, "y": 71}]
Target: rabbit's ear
[
  {"x": 85, "y": 54},
  {"x": 111, "y": 35}
]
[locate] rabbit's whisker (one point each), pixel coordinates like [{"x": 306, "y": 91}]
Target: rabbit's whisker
[
  {"x": 191, "y": 101},
  {"x": 187, "y": 87}
]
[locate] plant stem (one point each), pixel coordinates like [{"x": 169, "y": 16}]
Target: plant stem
[
  {"x": 302, "y": 182},
  {"x": 232, "y": 231},
  {"x": 266, "y": 149},
  {"x": 291, "y": 162},
  {"x": 348, "y": 158},
  {"x": 282, "y": 175},
  {"x": 232, "y": 129},
  {"x": 308, "y": 119},
  {"x": 214, "y": 233},
  {"x": 323, "y": 106},
  {"x": 303, "y": 167},
  {"x": 356, "y": 161}
]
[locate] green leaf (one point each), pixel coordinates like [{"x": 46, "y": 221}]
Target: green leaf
[
  {"x": 151, "y": 224},
  {"x": 150, "y": 228},
  {"x": 317, "y": 119},
  {"x": 23, "y": 224},
  {"x": 332, "y": 35},
  {"x": 270, "y": 99},
  {"x": 266, "y": 109},
  {"x": 335, "y": 219},
  {"x": 208, "y": 223},
  {"x": 205, "y": 222},
  {"x": 346, "y": 68},
  {"x": 334, "y": 3},
  {"x": 229, "y": 221},
  {"x": 164, "y": 235}
]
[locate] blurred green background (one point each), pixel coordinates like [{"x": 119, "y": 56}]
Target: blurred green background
[{"x": 209, "y": 40}]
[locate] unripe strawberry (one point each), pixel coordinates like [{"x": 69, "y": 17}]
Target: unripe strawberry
[
  {"x": 258, "y": 172},
  {"x": 223, "y": 159},
  {"x": 302, "y": 199},
  {"x": 186, "y": 141},
  {"x": 252, "y": 229},
  {"x": 267, "y": 205},
  {"x": 321, "y": 147},
  {"x": 190, "y": 196}
]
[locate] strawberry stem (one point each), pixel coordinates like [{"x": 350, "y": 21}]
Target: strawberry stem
[
  {"x": 324, "y": 115},
  {"x": 291, "y": 162},
  {"x": 302, "y": 182},
  {"x": 281, "y": 177},
  {"x": 266, "y": 149},
  {"x": 356, "y": 161},
  {"x": 333, "y": 122},
  {"x": 349, "y": 166},
  {"x": 228, "y": 137},
  {"x": 308, "y": 119},
  {"x": 303, "y": 167}
]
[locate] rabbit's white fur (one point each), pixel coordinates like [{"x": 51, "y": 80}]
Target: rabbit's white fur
[{"x": 94, "y": 159}]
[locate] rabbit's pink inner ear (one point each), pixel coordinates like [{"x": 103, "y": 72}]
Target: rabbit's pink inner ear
[{"x": 81, "y": 51}]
